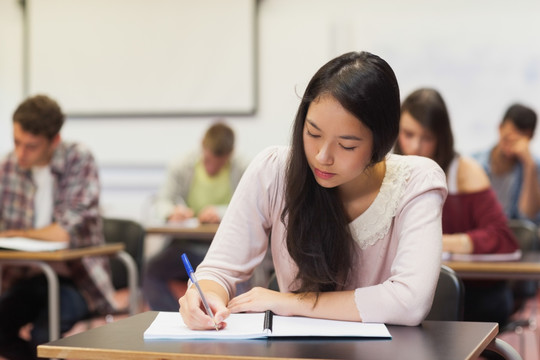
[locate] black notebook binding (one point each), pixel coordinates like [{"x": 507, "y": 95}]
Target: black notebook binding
[{"x": 267, "y": 326}]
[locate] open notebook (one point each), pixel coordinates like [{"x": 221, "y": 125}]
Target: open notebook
[
  {"x": 169, "y": 325},
  {"x": 25, "y": 244}
]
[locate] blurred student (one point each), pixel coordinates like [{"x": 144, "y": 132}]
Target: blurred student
[
  {"x": 513, "y": 170},
  {"x": 355, "y": 233},
  {"x": 199, "y": 185},
  {"x": 473, "y": 221},
  {"x": 49, "y": 190}
]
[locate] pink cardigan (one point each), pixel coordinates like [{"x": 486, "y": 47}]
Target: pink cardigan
[{"x": 399, "y": 237}]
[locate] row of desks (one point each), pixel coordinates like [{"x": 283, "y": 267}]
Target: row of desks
[
  {"x": 527, "y": 268},
  {"x": 434, "y": 334}
]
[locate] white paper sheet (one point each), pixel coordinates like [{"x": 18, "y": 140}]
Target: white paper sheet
[
  {"x": 169, "y": 325},
  {"x": 26, "y": 244}
]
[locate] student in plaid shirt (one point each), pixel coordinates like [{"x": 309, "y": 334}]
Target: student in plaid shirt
[{"x": 49, "y": 190}]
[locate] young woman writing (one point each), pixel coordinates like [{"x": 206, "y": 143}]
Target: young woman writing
[{"x": 355, "y": 233}]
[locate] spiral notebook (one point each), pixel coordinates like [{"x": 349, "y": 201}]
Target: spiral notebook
[{"x": 169, "y": 325}]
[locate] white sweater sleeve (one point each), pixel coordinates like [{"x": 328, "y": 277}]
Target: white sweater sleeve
[
  {"x": 242, "y": 239},
  {"x": 405, "y": 297}
]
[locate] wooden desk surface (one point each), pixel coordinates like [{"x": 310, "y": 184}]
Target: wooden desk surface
[
  {"x": 62, "y": 255},
  {"x": 123, "y": 339},
  {"x": 526, "y": 268},
  {"x": 202, "y": 232}
]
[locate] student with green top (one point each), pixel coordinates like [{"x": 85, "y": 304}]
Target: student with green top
[{"x": 199, "y": 185}]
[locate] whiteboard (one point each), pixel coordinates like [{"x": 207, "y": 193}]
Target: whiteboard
[
  {"x": 143, "y": 57},
  {"x": 480, "y": 55}
]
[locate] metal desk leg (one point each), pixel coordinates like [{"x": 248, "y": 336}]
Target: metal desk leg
[
  {"x": 132, "y": 280},
  {"x": 500, "y": 349},
  {"x": 53, "y": 293},
  {"x": 54, "y": 300}
]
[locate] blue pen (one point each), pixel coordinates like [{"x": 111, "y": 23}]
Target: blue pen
[{"x": 193, "y": 278}]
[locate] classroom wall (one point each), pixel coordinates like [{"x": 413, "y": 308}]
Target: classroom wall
[{"x": 482, "y": 55}]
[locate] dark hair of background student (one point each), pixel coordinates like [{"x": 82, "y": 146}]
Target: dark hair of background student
[
  {"x": 40, "y": 115},
  {"x": 318, "y": 235},
  {"x": 523, "y": 117},
  {"x": 428, "y": 108}
]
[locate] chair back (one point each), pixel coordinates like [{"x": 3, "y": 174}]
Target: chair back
[
  {"x": 131, "y": 234},
  {"x": 526, "y": 233},
  {"x": 272, "y": 282},
  {"x": 449, "y": 297}
]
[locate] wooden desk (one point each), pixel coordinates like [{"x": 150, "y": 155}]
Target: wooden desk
[
  {"x": 528, "y": 268},
  {"x": 123, "y": 339},
  {"x": 204, "y": 232},
  {"x": 40, "y": 259}
]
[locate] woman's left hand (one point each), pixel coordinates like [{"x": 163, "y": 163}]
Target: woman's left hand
[{"x": 260, "y": 299}]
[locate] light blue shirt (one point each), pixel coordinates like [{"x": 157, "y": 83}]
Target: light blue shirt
[{"x": 508, "y": 186}]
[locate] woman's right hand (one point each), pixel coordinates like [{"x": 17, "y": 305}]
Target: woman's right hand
[{"x": 194, "y": 314}]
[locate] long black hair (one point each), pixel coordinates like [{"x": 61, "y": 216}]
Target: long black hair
[{"x": 318, "y": 235}]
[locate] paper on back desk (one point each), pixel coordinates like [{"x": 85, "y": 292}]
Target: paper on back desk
[{"x": 26, "y": 244}]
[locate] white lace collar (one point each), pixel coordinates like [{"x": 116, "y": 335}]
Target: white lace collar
[{"x": 375, "y": 222}]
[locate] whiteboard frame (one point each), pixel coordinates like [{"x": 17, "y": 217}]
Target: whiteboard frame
[{"x": 248, "y": 109}]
